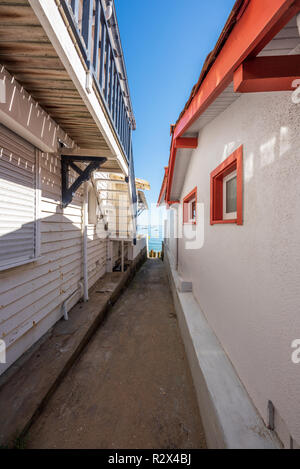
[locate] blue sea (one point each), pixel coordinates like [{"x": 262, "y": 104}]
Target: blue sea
[{"x": 155, "y": 236}]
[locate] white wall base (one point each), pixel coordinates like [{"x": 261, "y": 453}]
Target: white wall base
[
  {"x": 183, "y": 286},
  {"x": 229, "y": 418}
]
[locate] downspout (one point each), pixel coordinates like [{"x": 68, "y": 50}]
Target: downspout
[
  {"x": 65, "y": 303},
  {"x": 177, "y": 253},
  {"x": 85, "y": 242},
  {"x": 176, "y": 207}
]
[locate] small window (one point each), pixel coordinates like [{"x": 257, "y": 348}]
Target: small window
[
  {"x": 227, "y": 190},
  {"x": 190, "y": 207}
]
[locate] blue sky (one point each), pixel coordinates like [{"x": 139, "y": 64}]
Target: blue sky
[{"x": 165, "y": 43}]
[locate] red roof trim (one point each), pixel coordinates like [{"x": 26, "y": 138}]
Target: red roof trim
[
  {"x": 260, "y": 20},
  {"x": 163, "y": 187}
]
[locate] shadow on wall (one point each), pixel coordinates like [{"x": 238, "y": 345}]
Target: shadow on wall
[{"x": 49, "y": 254}]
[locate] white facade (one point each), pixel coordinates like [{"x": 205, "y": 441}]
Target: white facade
[
  {"x": 31, "y": 296},
  {"x": 246, "y": 278}
]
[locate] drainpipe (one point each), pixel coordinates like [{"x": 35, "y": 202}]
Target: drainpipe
[
  {"x": 177, "y": 254},
  {"x": 65, "y": 303},
  {"x": 177, "y": 239},
  {"x": 122, "y": 256},
  {"x": 175, "y": 207},
  {"x": 85, "y": 241}
]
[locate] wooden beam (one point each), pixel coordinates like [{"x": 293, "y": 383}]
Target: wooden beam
[
  {"x": 185, "y": 142},
  {"x": 111, "y": 180},
  {"x": 87, "y": 152},
  {"x": 110, "y": 170},
  {"x": 260, "y": 74}
]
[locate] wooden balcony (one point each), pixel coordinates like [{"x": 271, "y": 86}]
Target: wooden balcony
[
  {"x": 35, "y": 38},
  {"x": 91, "y": 32}
]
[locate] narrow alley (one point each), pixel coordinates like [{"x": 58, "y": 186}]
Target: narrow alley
[{"x": 131, "y": 387}]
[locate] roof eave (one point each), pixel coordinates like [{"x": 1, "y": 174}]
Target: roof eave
[{"x": 250, "y": 24}]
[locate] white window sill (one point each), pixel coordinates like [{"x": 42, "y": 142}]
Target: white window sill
[{"x": 18, "y": 264}]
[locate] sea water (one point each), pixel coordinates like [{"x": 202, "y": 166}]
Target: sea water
[{"x": 154, "y": 235}]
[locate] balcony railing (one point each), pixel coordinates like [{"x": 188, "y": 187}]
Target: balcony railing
[{"x": 89, "y": 26}]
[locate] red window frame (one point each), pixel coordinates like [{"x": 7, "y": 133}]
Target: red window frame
[
  {"x": 233, "y": 163},
  {"x": 186, "y": 207}
]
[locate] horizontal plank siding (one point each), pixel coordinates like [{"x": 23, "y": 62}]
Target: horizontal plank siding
[
  {"x": 17, "y": 198},
  {"x": 31, "y": 295}
]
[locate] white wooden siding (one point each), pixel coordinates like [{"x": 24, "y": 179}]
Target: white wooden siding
[
  {"x": 17, "y": 199},
  {"x": 31, "y": 295}
]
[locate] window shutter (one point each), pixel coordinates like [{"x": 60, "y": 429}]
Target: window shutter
[{"x": 17, "y": 198}]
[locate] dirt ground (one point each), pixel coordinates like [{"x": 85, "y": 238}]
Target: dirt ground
[{"x": 131, "y": 387}]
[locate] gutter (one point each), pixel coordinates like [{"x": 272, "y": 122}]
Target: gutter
[
  {"x": 65, "y": 303},
  {"x": 85, "y": 244}
]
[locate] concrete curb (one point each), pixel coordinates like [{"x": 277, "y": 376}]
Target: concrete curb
[
  {"x": 25, "y": 393},
  {"x": 229, "y": 417}
]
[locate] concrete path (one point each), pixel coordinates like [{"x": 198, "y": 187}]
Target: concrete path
[{"x": 131, "y": 387}]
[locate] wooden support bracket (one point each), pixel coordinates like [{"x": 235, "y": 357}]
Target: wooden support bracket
[
  {"x": 67, "y": 163},
  {"x": 186, "y": 142},
  {"x": 261, "y": 74}
]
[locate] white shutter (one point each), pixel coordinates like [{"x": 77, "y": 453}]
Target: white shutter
[{"x": 17, "y": 199}]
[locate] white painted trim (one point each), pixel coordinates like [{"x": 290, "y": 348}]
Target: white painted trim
[
  {"x": 47, "y": 11},
  {"x": 190, "y": 207},
  {"x": 20, "y": 113},
  {"x": 85, "y": 216},
  {"x": 231, "y": 215},
  {"x": 38, "y": 196}
]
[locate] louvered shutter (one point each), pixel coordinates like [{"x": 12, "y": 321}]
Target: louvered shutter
[{"x": 17, "y": 199}]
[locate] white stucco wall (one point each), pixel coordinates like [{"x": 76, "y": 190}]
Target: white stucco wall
[
  {"x": 247, "y": 278},
  {"x": 171, "y": 234}
]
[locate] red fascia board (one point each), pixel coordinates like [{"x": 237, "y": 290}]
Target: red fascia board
[
  {"x": 178, "y": 143},
  {"x": 262, "y": 74},
  {"x": 260, "y": 21},
  {"x": 171, "y": 169},
  {"x": 163, "y": 187}
]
